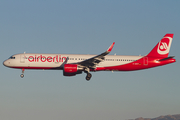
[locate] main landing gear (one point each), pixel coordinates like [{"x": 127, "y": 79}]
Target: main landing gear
[
  {"x": 22, "y": 75},
  {"x": 88, "y": 76}
]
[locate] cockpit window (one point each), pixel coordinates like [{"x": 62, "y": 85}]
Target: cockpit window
[{"x": 12, "y": 57}]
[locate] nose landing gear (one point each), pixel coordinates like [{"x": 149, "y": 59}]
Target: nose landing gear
[{"x": 22, "y": 75}]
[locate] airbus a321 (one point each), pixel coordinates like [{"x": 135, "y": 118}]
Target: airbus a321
[{"x": 73, "y": 64}]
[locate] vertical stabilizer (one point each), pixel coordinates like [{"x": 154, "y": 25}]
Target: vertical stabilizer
[{"x": 162, "y": 48}]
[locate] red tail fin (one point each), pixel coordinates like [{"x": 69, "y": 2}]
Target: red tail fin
[{"x": 162, "y": 48}]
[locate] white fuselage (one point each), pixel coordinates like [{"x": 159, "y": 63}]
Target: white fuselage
[{"x": 43, "y": 61}]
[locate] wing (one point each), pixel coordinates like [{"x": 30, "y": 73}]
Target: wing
[{"x": 92, "y": 62}]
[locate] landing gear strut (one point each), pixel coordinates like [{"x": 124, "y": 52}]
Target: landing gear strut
[
  {"x": 22, "y": 75},
  {"x": 88, "y": 77}
]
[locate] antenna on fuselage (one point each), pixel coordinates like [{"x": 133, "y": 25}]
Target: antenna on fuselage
[{"x": 24, "y": 54}]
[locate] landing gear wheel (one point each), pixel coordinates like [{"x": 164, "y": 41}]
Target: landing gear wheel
[
  {"x": 22, "y": 75},
  {"x": 88, "y": 77}
]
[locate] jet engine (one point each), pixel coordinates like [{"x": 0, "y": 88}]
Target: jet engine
[{"x": 71, "y": 70}]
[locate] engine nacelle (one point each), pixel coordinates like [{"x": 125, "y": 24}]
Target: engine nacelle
[{"x": 71, "y": 70}]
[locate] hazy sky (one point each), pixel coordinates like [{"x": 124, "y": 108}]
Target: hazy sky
[{"x": 88, "y": 27}]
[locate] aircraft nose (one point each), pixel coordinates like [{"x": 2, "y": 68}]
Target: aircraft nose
[{"x": 5, "y": 63}]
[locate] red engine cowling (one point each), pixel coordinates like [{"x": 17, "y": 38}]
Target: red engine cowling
[{"x": 70, "y": 70}]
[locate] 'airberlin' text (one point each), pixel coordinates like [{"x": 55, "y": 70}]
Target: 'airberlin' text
[{"x": 42, "y": 58}]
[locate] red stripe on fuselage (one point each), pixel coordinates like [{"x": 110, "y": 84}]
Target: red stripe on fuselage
[{"x": 39, "y": 68}]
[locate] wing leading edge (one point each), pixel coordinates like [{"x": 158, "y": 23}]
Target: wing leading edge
[{"x": 92, "y": 62}]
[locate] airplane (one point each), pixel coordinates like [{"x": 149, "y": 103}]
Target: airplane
[{"x": 73, "y": 64}]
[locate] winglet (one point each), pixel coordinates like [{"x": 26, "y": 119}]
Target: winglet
[{"x": 111, "y": 47}]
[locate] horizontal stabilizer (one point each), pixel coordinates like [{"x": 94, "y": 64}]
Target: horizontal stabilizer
[{"x": 167, "y": 58}]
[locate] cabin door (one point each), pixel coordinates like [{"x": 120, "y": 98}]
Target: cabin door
[
  {"x": 145, "y": 60},
  {"x": 22, "y": 58}
]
